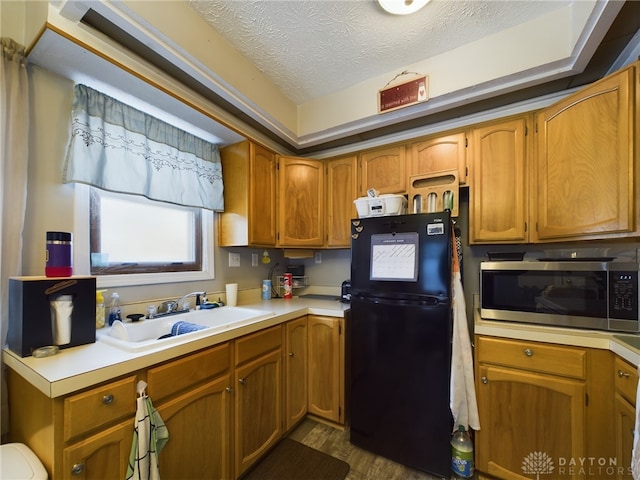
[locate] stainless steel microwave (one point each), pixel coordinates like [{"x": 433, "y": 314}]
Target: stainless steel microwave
[{"x": 596, "y": 294}]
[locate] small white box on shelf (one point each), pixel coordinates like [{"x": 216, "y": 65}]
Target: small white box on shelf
[{"x": 384, "y": 205}]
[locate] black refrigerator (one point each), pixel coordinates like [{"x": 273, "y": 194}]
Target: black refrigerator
[{"x": 400, "y": 339}]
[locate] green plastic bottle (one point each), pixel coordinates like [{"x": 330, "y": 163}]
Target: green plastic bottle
[{"x": 462, "y": 454}]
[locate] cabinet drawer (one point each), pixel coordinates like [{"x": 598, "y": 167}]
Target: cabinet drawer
[
  {"x": 626, "y": 379},
  {"x": 257, "y": 344},
  {"x": 99, "y": 406},
  {"x": 177, "y": 375},
  {"x": 538, "y": 357}
]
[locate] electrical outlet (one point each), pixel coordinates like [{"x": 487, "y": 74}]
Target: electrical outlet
[
  {"x": 318, "y": 257},
  {"x": 234, "y": 259},
  {"x": 254, "y": 259}
]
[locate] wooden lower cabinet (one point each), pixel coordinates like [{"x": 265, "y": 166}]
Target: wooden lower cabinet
[
  {"x": 626, "y": 383},
  {"x": 102, "y": 456},
  {"x": 523, "y": 414},
  {"x": 326, "y": 368},
  {"x": 193, "y": 396},
  {"x": 295, "y": 371},
  {"x": 625, "y": 414},
  {"x": 83, "y": 435},
  {"x": 258, "y": 396},
  {"x": 224, "y": 406},
  {"x": 199, "y": 425},
  {"x": 542, "y": 407}
]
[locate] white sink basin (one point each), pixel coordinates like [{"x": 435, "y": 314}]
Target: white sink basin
[{"x": 146, "y": 334}]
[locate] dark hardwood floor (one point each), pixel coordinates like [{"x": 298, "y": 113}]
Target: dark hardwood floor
[{"x": 364, "y": 465}]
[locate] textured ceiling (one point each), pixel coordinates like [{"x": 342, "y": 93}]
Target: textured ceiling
[{"x": 311, "y": 48}]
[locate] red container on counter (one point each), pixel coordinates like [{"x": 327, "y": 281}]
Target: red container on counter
[{"x": 287, "y": 283}]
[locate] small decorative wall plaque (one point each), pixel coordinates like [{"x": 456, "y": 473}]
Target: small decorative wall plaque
[{"x": 400, "y": 92}]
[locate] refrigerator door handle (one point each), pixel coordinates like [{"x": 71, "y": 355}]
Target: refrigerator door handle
[{"x": 424, "y": 300}]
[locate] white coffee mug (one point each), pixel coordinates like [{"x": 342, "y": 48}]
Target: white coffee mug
[{"x": 232, "y": 294}]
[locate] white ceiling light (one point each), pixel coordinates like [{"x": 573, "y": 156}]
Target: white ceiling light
[{"x": 402, "y": 7}]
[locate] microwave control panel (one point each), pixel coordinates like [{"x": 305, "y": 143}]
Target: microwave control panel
[{"x": 623, "y": 295}]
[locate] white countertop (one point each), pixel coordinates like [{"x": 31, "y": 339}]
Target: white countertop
[{"x": 80, "y": 367}]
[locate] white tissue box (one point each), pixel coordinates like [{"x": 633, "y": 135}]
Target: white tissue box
[{"x": 384, "y": 205}]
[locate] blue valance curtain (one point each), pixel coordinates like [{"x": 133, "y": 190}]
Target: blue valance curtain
[{"x": 118, "y": 148}]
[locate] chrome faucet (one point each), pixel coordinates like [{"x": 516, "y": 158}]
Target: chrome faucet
[
  {"x": 177, "y": 306},
  {"x": 200, "y": 297}
]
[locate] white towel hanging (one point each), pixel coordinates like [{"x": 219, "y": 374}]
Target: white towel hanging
[
  {"x": 149, "y": 437},
  {"x": 463, "y": 402}
]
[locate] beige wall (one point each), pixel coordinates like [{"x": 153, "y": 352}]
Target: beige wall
[
  {"x": 50, "y": 205},
  {"x": 22, "y": 21}
]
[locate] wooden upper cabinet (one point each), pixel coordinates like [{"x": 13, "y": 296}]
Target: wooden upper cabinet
[
  {"x": 440, "y": 153},
  {"x": 384, "y": 169},
  {"x": 341, "y": 191},
  {"x": 498, "y": 210},
  {"x": 584, "y": 171},
  {"x": 249, "y": 217},
  {"x": 301, "y": 202}
]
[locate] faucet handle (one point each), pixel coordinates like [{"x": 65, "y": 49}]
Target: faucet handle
[{"x": 168, "y": 307}]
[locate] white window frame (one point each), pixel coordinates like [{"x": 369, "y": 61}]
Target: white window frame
[{"x": 82, "y": 256}]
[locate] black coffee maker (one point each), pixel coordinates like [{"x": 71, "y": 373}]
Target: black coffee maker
[{"x": 345, "y": 295}]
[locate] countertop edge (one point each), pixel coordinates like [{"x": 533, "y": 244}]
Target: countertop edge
[{"x": 45, "y": 373}]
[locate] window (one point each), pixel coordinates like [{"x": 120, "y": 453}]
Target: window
[
  {"x": 131, "y": 240},
  {"x": 130, "y": 234}
]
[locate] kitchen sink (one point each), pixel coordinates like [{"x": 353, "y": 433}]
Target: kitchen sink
[{"x": 155, "y": 333}]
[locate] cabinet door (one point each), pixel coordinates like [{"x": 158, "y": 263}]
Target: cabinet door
[
  {"x": 258, "y": 409},
  {"x": 625, "y": 415},
  {"x": 262, "y": 196},
  {"x": 529, "y": 421},
  {"x": 440, "y": 153},
  {"x": 326, "y": 368},
  {"x": 104, "y": 456},
  {"x": 584, "y": 170},
  {"x": 301, "y": 202},
  {"x": 295, "y": 368},
  {"x": 199, "y": 424},
  {"x": 498, "y": 208},
  {"x": 249, "y": 216},
  {"x": 342, "y": 190},
  {"x": 384, "y": 169}
]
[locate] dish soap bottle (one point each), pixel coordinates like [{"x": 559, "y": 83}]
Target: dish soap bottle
[
  {"x": 99, "y": 309},
  {"x": 461, "y": 454},
  {"x": 114, "y": 308}
]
